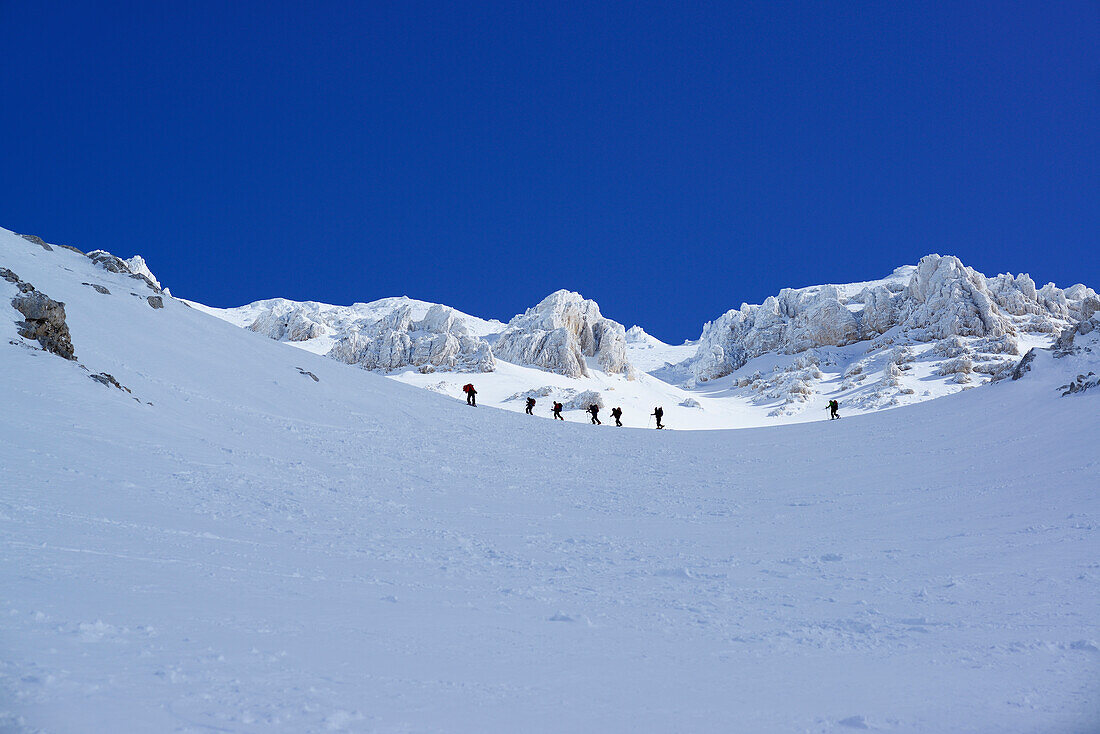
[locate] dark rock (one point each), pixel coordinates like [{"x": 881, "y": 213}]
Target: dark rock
[
  {"x": 155, "y": 301},
  {"x": 98, "y": 288},
  {"x": 308, "y": 374},
  {"x": 44, "y": 320},
  {"x": 1089, "y": 307},
  {"x": 36, "y": 240},
  {"x": 145, "y": 279},
  {"x": 70, "y": 247},
  {"x": 109, "y": 262},
  {"x": 22, "y": 285},
  {"x": 1024, "y": 365},
  {"x": 1081, "y": 384},
  {"x": 105, "y": 379}
]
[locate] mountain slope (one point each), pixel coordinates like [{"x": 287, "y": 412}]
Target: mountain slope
[{"x": 260, "y": 551}]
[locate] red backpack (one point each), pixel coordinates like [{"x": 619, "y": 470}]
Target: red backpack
[{"x": 468, "y": 387}]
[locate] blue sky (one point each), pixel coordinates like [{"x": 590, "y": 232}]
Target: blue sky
[{"x": 670, "y": 160}]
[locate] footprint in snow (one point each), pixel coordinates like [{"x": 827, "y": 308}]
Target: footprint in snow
[
  {"x": 674, "y": 573},
  {"x": 855, "y": 722}
]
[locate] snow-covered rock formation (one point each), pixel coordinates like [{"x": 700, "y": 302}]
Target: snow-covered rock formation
[
  {"x": 560, "y": 333},
  {"x": 938, "y": 299},
  {"x": 135, "y": 267},
  {"x": 138, "y": 266},
  {"x": 1075, "y": 353},
  {"x": 289, "y": 321},
  {"x": 439, "y": 340}
]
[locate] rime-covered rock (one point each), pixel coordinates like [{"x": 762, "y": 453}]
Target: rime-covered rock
[
  {"x": 582, "y": 400},
  {"x": 792, "y": 322},
  {"x": 946, "y": 298},
  {"x": 290, "y": 322},
  {"x": 440, "y": 339},
  {"x": 560, "y": 333},
  {"x": 880, "y": 311},
  {"x": 138, "y": 266},
  {"x": 939, "y": 300}
]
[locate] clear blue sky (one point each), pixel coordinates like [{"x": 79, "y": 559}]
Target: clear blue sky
[{"x": 669, "y": 160}]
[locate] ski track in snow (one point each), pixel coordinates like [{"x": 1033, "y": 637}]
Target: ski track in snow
[{"x": 257, "y": 551}]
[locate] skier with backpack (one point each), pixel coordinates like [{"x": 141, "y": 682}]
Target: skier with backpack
[
  {"x": 617, "y": 414},
  {"x": 530, "y": 405},
  {"x": 471, "y": 394},
  {"x": 595, "y": 411},
  {"x": 659, "y": 413},
  {"x": 833, "y": 407},
  {"x": 557, "y": 411}
]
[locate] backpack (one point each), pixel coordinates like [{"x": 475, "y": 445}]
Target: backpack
[
  {"x": 557, "y": 407},
  {"x": 468, "y": 387}
]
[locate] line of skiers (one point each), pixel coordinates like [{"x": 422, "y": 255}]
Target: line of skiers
[
  {"x": 556, "y": 408},
  {"x": 617, "y": 413}
]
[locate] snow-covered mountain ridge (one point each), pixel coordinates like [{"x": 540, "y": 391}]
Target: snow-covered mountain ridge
[
  {"x": 924, "y": 331},
  {"x": 202, "y": 529}
]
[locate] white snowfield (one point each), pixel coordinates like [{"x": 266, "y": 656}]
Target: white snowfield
[{"x": 261, "y": 551}]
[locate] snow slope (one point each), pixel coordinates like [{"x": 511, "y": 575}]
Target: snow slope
[{"x": 260, "y": 551}]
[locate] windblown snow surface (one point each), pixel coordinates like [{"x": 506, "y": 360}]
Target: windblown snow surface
[{"x": 260, "y": 551}]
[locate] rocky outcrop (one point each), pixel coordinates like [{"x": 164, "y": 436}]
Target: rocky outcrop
[
  {"x": 113, "y": 264},
  {"x": 1067, "y": 341},
  {"x": 36, "y": 240},
  {"x": 108, "y": 380},
  {"x": 792, "y": 322},
  {"x": 584, "y": 400},
  {"x": 288, "y": 321},
  {"x": 109, "y": 262},
  {"x": 307, "y": 373},
  {"x": 137, "y": 266},
  {"x": 44, "y": 321},
  {"x": 1024, "y": 365},
  {"x": 43, "y": 317},
  {"x": 440, "y": 340},
  {"x": 946, "y": 298},
  {"x": 14, "y": 279},
  {"x": 1080, "y": 384},
  {"x": 940, "y": 299},
  {"x": 560, "y": 333},
  {"x": 880, "y": 311}
]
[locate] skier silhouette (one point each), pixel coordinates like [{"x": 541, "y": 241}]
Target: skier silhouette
[
  {"x": 530, "y": 405},
  {"x": 617, "y": 414},
  {"x": 471, "y": 394},
  {"x": 833, "y": 407},
  {"x": 595, "y": 411},
  {"x": 557, "y": 411},
  {"x": 659, "y": 413}
]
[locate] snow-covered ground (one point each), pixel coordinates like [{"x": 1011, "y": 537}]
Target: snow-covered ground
[{"x": 237, "y": 546}]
